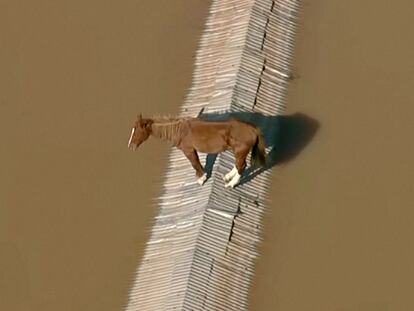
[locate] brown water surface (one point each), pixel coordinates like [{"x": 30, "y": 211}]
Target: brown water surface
[
  {"x": 340, "y": 226},
  {"x": 75, "y": 204}
]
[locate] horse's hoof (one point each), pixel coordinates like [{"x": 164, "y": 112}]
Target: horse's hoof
[
  {"x": 229, "y": 176},
  {"x": 234, "y": 181},
  {"x": 202, "y": 179}
]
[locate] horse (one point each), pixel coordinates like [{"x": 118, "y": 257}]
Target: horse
[{"x": 193, "y": 135}]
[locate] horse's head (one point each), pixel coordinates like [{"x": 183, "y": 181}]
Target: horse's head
[{"x": 140, "y": 132}]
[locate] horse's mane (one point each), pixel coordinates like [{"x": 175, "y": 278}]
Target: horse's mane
[{"x": 168, "y": 127}]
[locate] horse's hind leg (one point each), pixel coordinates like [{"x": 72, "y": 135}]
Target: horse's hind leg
[
  {"x": 230, "y": 174},
  {"x": 239, "y": 168},
  {"x": 195, "y": 162}
]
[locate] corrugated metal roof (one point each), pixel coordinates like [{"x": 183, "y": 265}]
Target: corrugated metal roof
[{"x": 203, "y": 243}]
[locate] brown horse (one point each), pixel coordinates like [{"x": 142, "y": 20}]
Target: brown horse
[{"x": 192, "y": 135}]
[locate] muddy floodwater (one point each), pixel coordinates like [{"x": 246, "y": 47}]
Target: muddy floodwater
[
  {"x": 76, "y": 205},
  {"x": 340, "y": 225}
]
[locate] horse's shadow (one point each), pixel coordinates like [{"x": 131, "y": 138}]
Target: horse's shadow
[{"x": 286, "y": 136}]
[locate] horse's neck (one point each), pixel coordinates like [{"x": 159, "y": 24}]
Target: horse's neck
[{"x": 168, "y": 130}]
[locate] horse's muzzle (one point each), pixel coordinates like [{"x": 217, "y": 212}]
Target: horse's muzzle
[{"x": 133, "y": 146}]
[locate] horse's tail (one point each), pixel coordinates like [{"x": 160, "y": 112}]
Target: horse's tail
[{"x": 259, "y": 151}]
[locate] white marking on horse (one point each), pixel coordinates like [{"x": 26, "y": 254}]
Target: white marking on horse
[
  {"x": 230, "y": 174},
  {"x": 202, "y": 179},
  {"x": 234, "y": 181},
  {"x": 132, "y": 135}
]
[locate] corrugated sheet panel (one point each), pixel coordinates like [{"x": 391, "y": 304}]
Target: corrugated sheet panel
[{"x": 203, "y": 242}]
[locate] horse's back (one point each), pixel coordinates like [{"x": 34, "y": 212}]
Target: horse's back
[
  {"x": 217, "y": 136},
  {"x": 208, "y": 136}
]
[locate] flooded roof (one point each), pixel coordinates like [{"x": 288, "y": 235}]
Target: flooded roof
[{"x": 203, "y": 242}]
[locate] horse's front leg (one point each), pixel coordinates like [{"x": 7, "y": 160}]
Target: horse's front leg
[
  {"x": 238, "y": 170},
  {"x": 195, "y": 162}
]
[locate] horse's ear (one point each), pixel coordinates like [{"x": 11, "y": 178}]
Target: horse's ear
[
  {"x": 148, "y": 123},
  {"x": 139, "y": 118}
]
